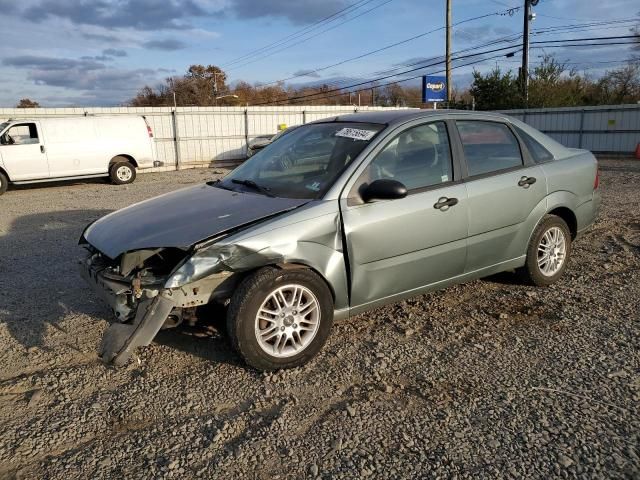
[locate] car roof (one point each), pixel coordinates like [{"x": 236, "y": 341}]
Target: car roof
[{"x": 390, "y": 117}]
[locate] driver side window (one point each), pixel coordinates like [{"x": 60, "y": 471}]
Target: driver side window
[
  {"x": 21, "y": 134},
  {"x": 419, "y": 157}
]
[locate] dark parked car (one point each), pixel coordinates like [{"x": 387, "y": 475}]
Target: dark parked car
[{"x": 260, "y": 142}]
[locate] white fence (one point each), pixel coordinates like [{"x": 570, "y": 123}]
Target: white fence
[
  {"x": 603, "y": 129},
  {"x": 202, "y": 136}
]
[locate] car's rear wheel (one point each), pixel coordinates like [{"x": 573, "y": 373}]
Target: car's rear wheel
[
  {"x": 4, "y": 183},
  {"x": 280, "y": 318},
  {"x": 548, "y": 251},
  {"x": 122, "y": 171}
]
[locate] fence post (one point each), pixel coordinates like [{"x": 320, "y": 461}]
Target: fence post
[
  {"x": 176, "y": 137},
  {"x": 581, "y": 128},
  {"x": 246, "y": 132},
  {"x": 304, "y": 117}
]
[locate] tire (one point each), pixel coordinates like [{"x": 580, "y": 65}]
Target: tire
[
  {"x": 121, "y": 171},
  {"x": 537, "y": 271},
  {"x": 4, "y": 183},
  {"x": 307, "y": 329}
]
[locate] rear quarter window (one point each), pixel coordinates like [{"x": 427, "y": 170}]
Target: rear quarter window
[{"x": 535, "y": 148}]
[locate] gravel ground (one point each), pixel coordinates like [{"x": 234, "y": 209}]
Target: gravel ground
[{"x": 492, "y": 379}]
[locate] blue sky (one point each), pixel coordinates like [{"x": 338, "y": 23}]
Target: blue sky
[{"x": 100, "y": 52}]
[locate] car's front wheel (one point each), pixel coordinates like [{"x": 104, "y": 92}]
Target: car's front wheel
[
  {"x": 280, "y": 318},
  {"x": 548, "y": 251}
]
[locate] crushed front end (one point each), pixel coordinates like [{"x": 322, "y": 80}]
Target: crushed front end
[{"x": 135, "y": 287}]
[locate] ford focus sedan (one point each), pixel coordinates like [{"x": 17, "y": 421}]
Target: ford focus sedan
[{"x": 338, "y": 217}]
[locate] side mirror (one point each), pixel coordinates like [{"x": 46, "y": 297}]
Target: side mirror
[{"x": 383, "y": 189}]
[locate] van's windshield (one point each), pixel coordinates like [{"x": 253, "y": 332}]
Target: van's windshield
[
  {"x": 3, "y": 126},
  {"x": 305, "y": 162}
]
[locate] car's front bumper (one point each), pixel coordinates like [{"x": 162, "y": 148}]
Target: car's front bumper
[
  {"x": 149, "y": 314},
  {"x": 144, "y": 313}
]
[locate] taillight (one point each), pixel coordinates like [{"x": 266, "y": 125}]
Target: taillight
[
  {"x": 149, "y": 131},
  {"x": 596, "y": 182}
]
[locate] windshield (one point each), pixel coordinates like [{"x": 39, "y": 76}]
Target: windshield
[
  {"x": 3, "y": 126},
  {"x": 305, "y": 162}
]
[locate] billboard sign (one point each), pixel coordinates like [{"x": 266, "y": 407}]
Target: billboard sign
[{"x": 434, "y": 88}]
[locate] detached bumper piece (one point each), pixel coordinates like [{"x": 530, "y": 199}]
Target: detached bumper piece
[
  {"x": 120, "y": 340},
  {"x": 143, "y": 311}
]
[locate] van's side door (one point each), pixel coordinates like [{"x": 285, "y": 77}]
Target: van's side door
[
  {"x": 73, "y": 148},
  {"x": 506, "y": 191},
  {"x": 23, "y": 152},
  {"x": 396, "y": 247}
]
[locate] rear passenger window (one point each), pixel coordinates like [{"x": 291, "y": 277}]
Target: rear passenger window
[
  {"x": 536, "y": 150},
  {"x": 488, "y": 146},
  {"x": 419, "y": 157}
]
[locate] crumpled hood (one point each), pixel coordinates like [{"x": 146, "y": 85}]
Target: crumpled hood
[{"x": 181, "y": 219}]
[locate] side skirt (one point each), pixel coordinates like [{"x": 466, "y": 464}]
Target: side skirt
[
  {"x": 59, "y": 179},
  {"x": 466, "y": 277}
]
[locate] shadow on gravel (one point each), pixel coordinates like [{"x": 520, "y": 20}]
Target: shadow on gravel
[
  {"x": 207, "y": 339},
  {"x": 505, "y": 278},
  {"x": 39, "y": 280}
]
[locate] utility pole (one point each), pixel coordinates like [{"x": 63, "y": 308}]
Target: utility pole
[
  {"x": 448, "y": 51},
  {"x": 524, "y": 71}
]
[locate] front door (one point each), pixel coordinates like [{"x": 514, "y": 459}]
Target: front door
[
  {"x": 398, "y": 246},
  {"x": 505, "y": 190},
  {"x": 23, "y": 152}
]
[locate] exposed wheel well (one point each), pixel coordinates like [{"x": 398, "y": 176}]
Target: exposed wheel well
[
  {"x": 2, "y": 170},
  {"x": 294, "y": 266},
  {"x": 569, "y": 217},
  {"x": 123, "y": 155}
]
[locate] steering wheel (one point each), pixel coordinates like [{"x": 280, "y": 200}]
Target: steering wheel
[{"x": 285, "y": 161}]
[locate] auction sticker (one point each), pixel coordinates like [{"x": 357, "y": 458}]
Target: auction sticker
[{"x": 356, "y": 133}]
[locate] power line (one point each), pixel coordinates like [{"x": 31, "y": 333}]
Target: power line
[
  {"x": 411, "y": 78},
  {"x": 507, "y": 38},
  {"x": 371, "y": 81},
  {"x": 303, "y": 31},
  {"x": 387, "y": 47},
  {"x": 388, "y": 76},
  {"x": 285, "y": 47}
]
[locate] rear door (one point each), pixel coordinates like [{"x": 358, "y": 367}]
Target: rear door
[
  {"x": 505, "y": 190},
  {"x": 23, "y": 151},
  {"x": 397, "y": 246}
]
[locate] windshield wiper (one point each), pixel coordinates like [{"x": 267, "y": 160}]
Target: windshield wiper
[{"x": 251, "y": 184}]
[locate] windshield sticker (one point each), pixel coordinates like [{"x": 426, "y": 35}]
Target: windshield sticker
[
  {"x": 356, "y": 133},
  {"x": 315, "y": 186}
]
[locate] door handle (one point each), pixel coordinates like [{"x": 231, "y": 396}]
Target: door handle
[
  {"x": 42, "y": 148},
  {"x": 526, "y": 181},
  {"x": 444, "y": 203}
]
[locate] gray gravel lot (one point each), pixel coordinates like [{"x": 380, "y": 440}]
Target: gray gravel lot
[{"x": 492, "y": 379}]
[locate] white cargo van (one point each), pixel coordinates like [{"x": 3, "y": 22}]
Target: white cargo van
[{"x": 59, "y": 148}]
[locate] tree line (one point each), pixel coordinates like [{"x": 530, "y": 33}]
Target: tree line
[{"x": 551, "y": 84}]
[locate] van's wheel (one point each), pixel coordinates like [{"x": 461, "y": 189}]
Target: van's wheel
[
  {"x": 4, "y": 183},
  {"x": 280, "y": 318},
  {"x": 121, "y": 171},
  {"x": 548, "y": 252}
]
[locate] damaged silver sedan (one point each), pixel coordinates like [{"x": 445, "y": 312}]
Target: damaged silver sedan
[{"x": 338, "y": 217}]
